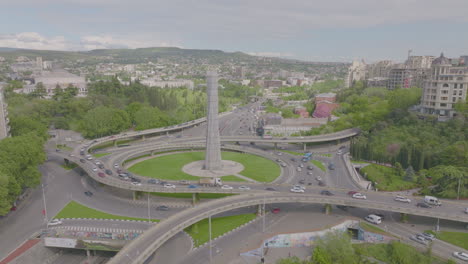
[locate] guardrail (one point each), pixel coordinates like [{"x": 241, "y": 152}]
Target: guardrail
[{"x": 155, "y": 237}]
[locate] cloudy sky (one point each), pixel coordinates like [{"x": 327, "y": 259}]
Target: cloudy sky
[{"x": 330, "y": 30}]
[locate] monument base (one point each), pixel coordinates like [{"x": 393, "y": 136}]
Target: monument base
[{"x": 229, "y": 167}]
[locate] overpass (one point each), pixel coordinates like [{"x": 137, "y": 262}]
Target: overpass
[{"x": 144, "y": 246}]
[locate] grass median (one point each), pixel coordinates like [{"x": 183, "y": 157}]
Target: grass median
[
  {"x": 387, "y": 178},
  {"x": 169, "y": 167},
  {"x": 459, "y": 239},
  {"x": 319, "y": 165},
  {"x": 77, "y": 210},
  {"x": 219, "y": 226},
  {"x": 98, "y": 155}
]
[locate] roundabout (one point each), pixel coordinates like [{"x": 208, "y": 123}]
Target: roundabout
[{"x": 187, "y": 166}]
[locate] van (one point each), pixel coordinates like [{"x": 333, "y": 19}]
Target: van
[
  {"x": 466, "y": 210},
  {"x": 432, "y": 200},
  {"x": 375, "y": 219}
]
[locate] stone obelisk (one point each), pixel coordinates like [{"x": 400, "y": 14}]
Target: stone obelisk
[{"x": 213, "y": 146}]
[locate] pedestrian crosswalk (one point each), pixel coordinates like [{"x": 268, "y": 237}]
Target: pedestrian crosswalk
[{"x": 98, "y": 229}]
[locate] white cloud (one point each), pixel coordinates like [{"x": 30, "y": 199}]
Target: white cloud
[{"x": 34, "y": 40}]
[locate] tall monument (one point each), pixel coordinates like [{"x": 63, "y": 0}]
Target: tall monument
[{"x": 213, "y": 146}]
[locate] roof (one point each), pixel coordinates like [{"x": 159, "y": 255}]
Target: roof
[
  {"x": 441, "y": 60},
  {"x": 323, "y": 110}
]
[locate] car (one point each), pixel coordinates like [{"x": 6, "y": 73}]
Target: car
[
  {"x": 310, "y": 167},
  {"x": 89, "y": 157},
  {"x": 310, "y": 173},
  {"x": 321, "y": 183},
  {"x": 372, "y": 218},
  {"x": 461, "y": 255},
  {"x": 318, "y": 178},
  {"x": 184, "y": 182},
  {"x": 428, "y": 236},
  {"x": 402, "y": 199},
  {"x": 192, "y": 186},
  {"x": 162, "y": 182},
  {"x": 94, "y": 169},
  {"x": 226, "y": 187},
  {"x": 178, "y": 136},
  {"x": 102, "y": 175},
  {"x": 101, "y": 166},
  {"x": 297, "y": 190},
  {"x": 419, "y": 239},
  {"x": 283, "y": 164},
  {"x": 88, "y": 193},
  {"x": 270, "y": 189},
  {"x": 152, "y": 181},
  {"x": 97, "y": 162},
  {"x": 136, "y": 183},
  {"x": 359, "y": 196},
  {"x": 299, "y": 169},
  {"x": 169, "y": 186},
  {"x": 71, "y": 155},
  {"x": 162, "y": 208},
  {"x": 285, "y": 138},
  {"x": 275, "y": 210},
  {"x": 108, "y": 172},
  {"x": 278, "y": 160},
  {"x": 55, "y": 222},
  {"x": 82, "y": 160},
  {"x": 466, "y": 210},
  {"x": 301, "y": 165},
  {"x": 297, "y": 186},
  {"x": 326, "y": 192},
  {"x": 13, "y": 208},
  {"x": 279, "y": 153},
  {"x": 116, "y": 165},
  {"x": 352, "y": 192},
  {"x": 331, "y": 166},
  {"x": 244, "y": 188},
  {"x": 339, "y": 152},
  {"x": 302, "y": 181},
  {"x": 293, "y": 159},
  {"x": 423, "y": 205}
]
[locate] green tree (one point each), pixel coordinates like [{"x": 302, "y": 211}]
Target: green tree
[
  {"x": 320, "y": 256},
  {"x": 399, "y": 169},
  {"x": 58, "y": 93},
  {"x": 409, "y": 174},
  {"x": 40, "y": 91},
  {"x": 70, "y": 92},
  {"x": 5, "y": 204},
  {"x": 103, "y": 121},
  {"x": 150, "y": 117}
]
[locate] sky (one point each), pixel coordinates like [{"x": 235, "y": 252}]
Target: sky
[{"x": 327, "y": 30}]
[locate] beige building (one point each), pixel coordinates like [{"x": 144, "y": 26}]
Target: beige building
[
  {"x": 356, "y": 72},
  {"x": 379, "y": 69},
  {"x": 445, "y": 85},
  {"x": 419, "y": 62}
]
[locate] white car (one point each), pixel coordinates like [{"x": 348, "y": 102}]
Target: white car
[
  {"x": 168, "y": 185},
  {"x": 297, "y": 190},
  {"x": 55, "y": 222},
  {"x": 301, "y": 165},
  {"x": 279, "y": 153},
  {"x": 318, "y": 178},
  {"x": 94, "y": 169},
  {"x": 359, "y": 196},
  {"x": 419, "y": 239},
  {"x": 244, "y": 188},
  {"x": 226, "y": 187},
  {"x": 97, "y": 162},
  {"x": 461, "y": 255},
  {"x": 89, "y": 158},
  {"x": 139, "y": 184},
  {"x": 116, "y": 165},
  {"x": 298, "y": 187},
  {"x": 402, "y": 199},
  {"x": 299, "y": 169}
]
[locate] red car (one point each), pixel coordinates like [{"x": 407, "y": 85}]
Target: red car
[
  {"x": 275, "y": 210},
  {"x": 352, "y": 192},
  {"x": 102, "y": 175}
]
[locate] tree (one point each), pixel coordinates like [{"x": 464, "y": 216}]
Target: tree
[
  {"x": 150, "y": 117},
  {"x": 70, "y": 92},
  {"x": 449, "y": 180},
  {"x": 103, "y": 121},
  {"x": 40, "y": 91},
  {"x": 5, "y": 204},
  {"x": 399, "y": 169},
  {"x": 409, "y": 174},
  {"x": 58, "y": 93},
  {"x": 320, "y": 256}
]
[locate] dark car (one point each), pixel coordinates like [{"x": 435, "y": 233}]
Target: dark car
[
  {"x": 321, "y": 183},
  {"x": 302, "y": 181},
  {"x": 88, "y": 193},
  {"x": 293, "y": 159},
  {"x": 133, "y": 179},
  {"x": 82, "y": 160},
  {"x": 101, "y": 166},
  {"x": 108, "y": 172},
  {"x": 310, "y": 167},
  {"x": 162, "y": 182},
  {"x": 102, "y": 175},
  {"x": 178, "y": 136},
  {"x": 270, "y": 189},
  {"x": 331, "y": 166},
  {"x": 153, "y": 181},
  {"x": 192, "y": 186},
  {"x": 326, "y": 192},
  {"x": 423, "y": 205},
  {"x": 162, "y": 208}
]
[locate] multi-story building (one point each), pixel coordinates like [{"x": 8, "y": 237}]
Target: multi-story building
[
  {"x": 4, "y": 127},
  {"x": 419, "y": 62},
  {"x": 379, "y": 69},
  {"x": 356, "y": 72},
  {"x": 401, "y": 77},
  {"x": 445, "y": 85}
]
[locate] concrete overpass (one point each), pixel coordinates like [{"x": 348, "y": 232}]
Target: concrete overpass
[{"x": 144, "y": 246}]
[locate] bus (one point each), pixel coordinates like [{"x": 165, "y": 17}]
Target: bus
[{"x": 307, "y": 156}]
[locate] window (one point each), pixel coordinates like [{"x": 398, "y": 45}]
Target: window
[
  {"x": 455, "y": 85},
  {"x": 445, "y": 85},
  {"x": 460, "y": 92},
  {"x": 459, "y": 78},
  {"x": 461, "y": 85},
  {"x": 443, "y": 105},
  {"x": 444, "y": 91},
  {"x": 454, "y": 99},
  {"x": 444, "y": 98}
]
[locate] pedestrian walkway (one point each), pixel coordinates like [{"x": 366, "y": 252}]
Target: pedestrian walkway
[
  {"x": 20, "y": 250},
  {"x": 97, "y": 229}
]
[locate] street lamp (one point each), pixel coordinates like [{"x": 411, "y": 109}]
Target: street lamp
[{"x": 45, "y": 207}]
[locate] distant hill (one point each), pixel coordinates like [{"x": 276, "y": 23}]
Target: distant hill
[{"x": 7, "y": 49}]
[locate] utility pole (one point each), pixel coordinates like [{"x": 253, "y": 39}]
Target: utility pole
[
  {"x": 209, "y": 230},
  {"x": 45, "y": 207},
  {"x": 458, "y": 192}
]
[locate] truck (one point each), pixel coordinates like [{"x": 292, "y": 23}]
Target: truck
[
  {"x": 432, "y": 200},
  {"x": 210, "y": 182}
]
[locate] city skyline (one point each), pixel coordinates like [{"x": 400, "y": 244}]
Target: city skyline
[{"x": 313, "y": 31}]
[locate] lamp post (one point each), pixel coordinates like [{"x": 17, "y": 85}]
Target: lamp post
[{"x": 45, "y": 207}]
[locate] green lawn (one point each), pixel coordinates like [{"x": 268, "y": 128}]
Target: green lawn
[
  {"x": 169, "y": 167},
  {"x": 386, "y": 178},
  {"x": 325, "y": 155},
  {"x": 373, "y": 229},
  {"x": 98, "y": 155},
  {"x": 232, "y": 178},
  {"x": 219, "y": 226},
  {"x": 386, "y": 253},
  {"x": 69, "y": 166},
  {"x": 64, "y": 147},
  {"x": 77, "y": 210},
  {"x": 319, "y": 164},
  {"x": 189, "y": 195},
  {"x": 459, "y": 239}
]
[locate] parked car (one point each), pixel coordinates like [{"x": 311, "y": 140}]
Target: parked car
[
  {"x": 88, "y": 193},
  {"x": 226, "y": 187},
  {"x": 244, "y": 188},
  {"x": 116, "y": 165},
  {"x": 423, "y": 205},
  {"x": 419, "y": 239},
  {"x": 359, "y": 196},
  {"x": 162, "y": 208},
  {"x": 293, "y": 159},
  {"x": 310, "y": 167},
  {"x": 402, "y": 199},
  {"x": 101, "y": 166},
  {"x": 302, "y": 181},
  {"x": 55, "y": 222},
  {"x": 326, "y": 192},
  {"x": 331, "y": 166},
  {"x": 461, "y": 255}
]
